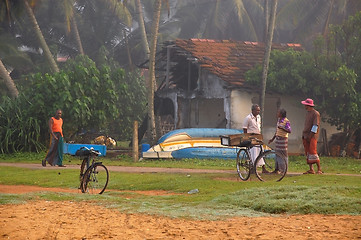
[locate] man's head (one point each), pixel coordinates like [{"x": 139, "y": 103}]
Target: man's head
[
  {"x": 308, "y": 103},
  {"x": 58, "y": 114},
  {"x": 255, "y": 110}
]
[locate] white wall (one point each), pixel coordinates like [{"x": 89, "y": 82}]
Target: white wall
[{"x": 240, "y": 107}]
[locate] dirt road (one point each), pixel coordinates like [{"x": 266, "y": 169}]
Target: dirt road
[{"x": 84, "y": 220}]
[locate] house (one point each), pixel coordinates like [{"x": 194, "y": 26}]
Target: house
[{"x": 203, "y": 86}]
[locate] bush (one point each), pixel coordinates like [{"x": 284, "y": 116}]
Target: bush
[{"x": 98, "y": 99}]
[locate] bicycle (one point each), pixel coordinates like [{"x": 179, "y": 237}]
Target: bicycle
[
  {"x": 94, "y": 176},
  {"x": 275, "y": 165}
]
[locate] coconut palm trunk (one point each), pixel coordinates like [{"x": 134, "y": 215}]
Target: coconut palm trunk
[
  {"x": 41, "y": 38},
  {"x": 142, "y": 28},
  {"x": 9, "y": 82},
  {"x": 77, "y": 36},
  {"x": 266, "y": 19},
  {"x": 267, "y": 55},
  {"x": 152, "y": 82}
]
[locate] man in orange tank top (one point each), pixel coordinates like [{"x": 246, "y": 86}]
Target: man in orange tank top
[{"x": 55, "y": 153}]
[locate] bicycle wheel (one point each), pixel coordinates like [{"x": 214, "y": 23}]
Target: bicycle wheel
[
  {"x": 271, "y": 166},
  {"x": 95, "y": 179},
  {"x": 243, "y": 164},
  {"x": 83, "y": 168}
]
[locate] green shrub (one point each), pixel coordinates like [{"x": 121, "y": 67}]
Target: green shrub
[{"x": 98, "y": 99}]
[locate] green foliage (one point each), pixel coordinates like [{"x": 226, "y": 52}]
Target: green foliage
[
  {"x": 325, "y": 79},
  {"x": 18, "y": 130},
  {"x": 92, "y": 98},
  {"x": 288, "y": 72},
  {"x": 331, "y": 75},
  {"x": 347, "y": 41}
]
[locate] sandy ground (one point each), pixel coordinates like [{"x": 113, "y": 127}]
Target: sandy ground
[{"x": 74, "y": 220}]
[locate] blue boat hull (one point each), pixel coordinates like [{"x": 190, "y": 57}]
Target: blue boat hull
[{"x": 206, "y": 153}]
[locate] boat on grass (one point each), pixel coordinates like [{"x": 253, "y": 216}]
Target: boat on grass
[{"x": 194, "y": 143}]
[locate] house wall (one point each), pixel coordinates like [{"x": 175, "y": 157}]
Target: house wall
[
  {"x": 205, "y": 106},
  {"x": 211, "y": 86},
  {"x": 240, "y": 107},
  {"x": 201, "y": 113},
  {"x": 208, "y": 113}
]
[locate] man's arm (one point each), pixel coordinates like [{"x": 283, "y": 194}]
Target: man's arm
[
  {"x": 51, "y": 122},
  {"x": 314, "y": 129}
]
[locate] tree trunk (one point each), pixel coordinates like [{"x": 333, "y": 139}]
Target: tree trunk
[
  {"x": 9, "y": 82},
  {"x": 128, "y": 50},
  {"x": 327, "y": 21},
  {"x": 40, "y": 37},
  {"x": 151, "y": 89},
  {"x": 267, "y": 55},
  {"x": 77, "y": 36},
  {"x": 266, "y": 19},
  {"x": 142, "y": 28}
]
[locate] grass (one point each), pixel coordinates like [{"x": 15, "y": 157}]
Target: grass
[
  {"x": 220, "y": 195},
  {"x": 296, "y": 163}
]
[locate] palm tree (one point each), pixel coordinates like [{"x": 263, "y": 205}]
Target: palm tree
[
  {"x": 9, "y": 82},
  {"x": 10, "y": 55},
  {"x": 101, "y": 25},
  {"x": 137, "y": 7},
  {"x": 142, "y": 28},
  {"x": 71, "y": 23},
  {"x": 267, "y": 54},
  {"x": 303, "y": 20},
  {"x": 235, "y": 19},
  {"x": 153, "y": 48},
  {"x": 14, "y": 59},
  {"x": 40, "y": 37},
  {"x": 77, "y": 36}
]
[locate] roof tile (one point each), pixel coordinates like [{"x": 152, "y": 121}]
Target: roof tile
[{"x": 229, "y": 59}]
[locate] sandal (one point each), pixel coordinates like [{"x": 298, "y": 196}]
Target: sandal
[
  {"x": 319, "y": 172},
  {"x": 309, "y": 172}
]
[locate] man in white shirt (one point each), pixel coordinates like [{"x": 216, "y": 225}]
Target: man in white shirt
[{"x": 252, "y": 124}]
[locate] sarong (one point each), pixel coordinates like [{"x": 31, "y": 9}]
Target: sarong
[
  {"x": 282, "y": 150},
  {"x": 56, "y": 150},
  {"x": 255, "y": 151},
  {"x": 311, "y": 150}
]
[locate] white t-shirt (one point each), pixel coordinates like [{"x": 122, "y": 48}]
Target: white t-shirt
[{"x": 252, "y": 124}]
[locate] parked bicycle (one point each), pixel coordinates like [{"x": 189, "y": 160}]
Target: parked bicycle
[
  {"x": 94, "y": 176},
  {"x": 275, "y": 165}
]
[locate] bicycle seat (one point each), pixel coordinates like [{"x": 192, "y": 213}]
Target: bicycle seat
[{"x": 84, "y": 151}]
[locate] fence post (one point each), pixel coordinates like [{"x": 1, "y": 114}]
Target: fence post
[{"x": 135, "y": 142}]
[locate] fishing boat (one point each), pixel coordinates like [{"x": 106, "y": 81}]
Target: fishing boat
[{"x": 193, "y": 143}]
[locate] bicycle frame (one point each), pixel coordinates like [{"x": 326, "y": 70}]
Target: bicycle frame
[{"x": 267, "y": 166}]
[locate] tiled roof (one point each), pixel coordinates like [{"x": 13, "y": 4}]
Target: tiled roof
[{"x": 228, "y": 59}]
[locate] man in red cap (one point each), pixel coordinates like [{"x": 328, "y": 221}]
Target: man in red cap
[{"x": 310, "y": 136}]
